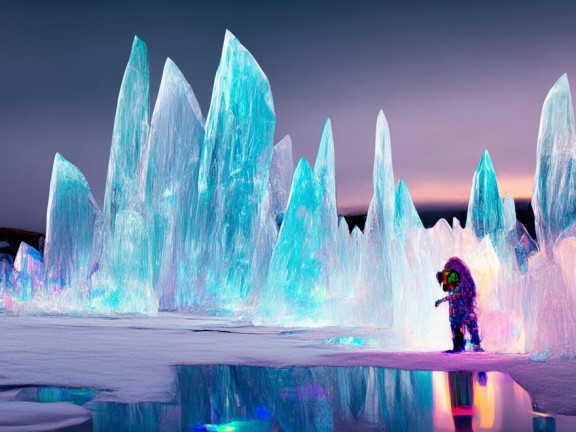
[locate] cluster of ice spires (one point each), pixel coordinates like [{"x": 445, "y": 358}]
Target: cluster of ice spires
[{"x": 209, "y": 216}]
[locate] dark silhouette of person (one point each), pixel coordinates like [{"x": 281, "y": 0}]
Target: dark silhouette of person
[{"x": 457, "y": 281}]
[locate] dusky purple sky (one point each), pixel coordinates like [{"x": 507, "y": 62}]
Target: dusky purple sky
[{"x": 453, "y": 78}]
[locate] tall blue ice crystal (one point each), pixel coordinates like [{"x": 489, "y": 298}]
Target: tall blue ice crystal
[
  {"x": 70, "y": 222},
  {"x": 171, "y": 180},
  {"x": 405, "y": 214},
  {"x": 123, "y": 190},
  {"x": 485, "y": 210},
  {"x": 297, "y": 282},
  {"x": 378, "y": 256},
  {"x": 554, "y": 195},
  {"x": 233, "y": 177},
  {"x": 302, "y": 266}
]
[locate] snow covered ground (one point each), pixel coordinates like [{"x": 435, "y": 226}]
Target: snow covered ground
[{"x": 133, "y": 359}]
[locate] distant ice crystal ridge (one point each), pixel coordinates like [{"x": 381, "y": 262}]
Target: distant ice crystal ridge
[{"x": 207, "y": 215}]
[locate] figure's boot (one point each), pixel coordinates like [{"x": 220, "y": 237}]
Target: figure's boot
[
  {"x": 458, "y": 340},
  {"x": 475, "y": 337}
]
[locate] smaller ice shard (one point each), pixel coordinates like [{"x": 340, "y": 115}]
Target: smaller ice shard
[
  {"x": 485, "y": 211},
  {"x": 28, "y": 275},
  {"x": 304, "y": 265},
  {"x": 525, "y": 246},
  {"x": 297, "y": 282},
  {"x": 509, "y": 213},
  {"x": 281, "y": 172},
  {"x": 324, "y": 171},
  {"x": 554, "y": 196},
  {"x": 405, "y": 214},
  {"x": 71, "y": 218},
  {"x": 123, "y": 190},
  {"x": 233, "y": 178},
  {"x": 6, "y": 266},
  {"x": 171, "y": 179}
]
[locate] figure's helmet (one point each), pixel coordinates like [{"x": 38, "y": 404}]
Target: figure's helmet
[{"x": 449, "y": 278}]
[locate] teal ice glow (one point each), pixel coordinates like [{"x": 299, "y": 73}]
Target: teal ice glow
[{"x": 209, "y": 216}]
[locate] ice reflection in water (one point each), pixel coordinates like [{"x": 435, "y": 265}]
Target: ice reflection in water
[{"x": 242, "y": 398}]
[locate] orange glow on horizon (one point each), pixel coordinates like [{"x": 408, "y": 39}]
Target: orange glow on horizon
[{"x": 444, "y": 192}]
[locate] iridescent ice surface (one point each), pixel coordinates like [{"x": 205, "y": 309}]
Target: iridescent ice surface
[
  {"x": 244, "y": 398},
  {"x": 208, "y": 215}
]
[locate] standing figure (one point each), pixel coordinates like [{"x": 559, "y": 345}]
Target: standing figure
[{"x": 457, "y": 281}]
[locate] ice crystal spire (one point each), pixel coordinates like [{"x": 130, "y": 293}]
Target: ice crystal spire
[
  {"x": 554, "y": 196},
  {"x": 303, "y": 262},
  {"x": 171, "y": 181},
  {"x": 70, "y": 222},
  {"x": 123, "y": 190},
  {"x": 380, "y": 219},
  {"x": 485, "y": 206},
  {"x": 233, "y": 177},
  {"x": 298, "y": 272}
]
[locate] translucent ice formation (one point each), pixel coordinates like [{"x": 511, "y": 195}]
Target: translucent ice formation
[
  {"x": 70, "y": 222},
  {"x": 171, "y": 180},
  {"x": 212, "y": 217},
  {"x": 233, "y": 181}
]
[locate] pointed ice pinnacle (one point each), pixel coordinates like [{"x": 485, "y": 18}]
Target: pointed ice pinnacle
[
  {"x": 554, "y": 196},
  {"x": 129, "y": 137},
  {"x": 324, "y": 169},
  {"x": 485, "y": 206},
  {"x": 70, "y": 221},
  {"x": 377, "y": 271},
  {"x": 171, "y": 179},
  {"x": 305, "y": 258},
  {"x": 233, "y": 177},
  {"x": 380, "y": 218},
  {"x": 297, "y": 276},
  {"x": 405, "y": 214}
]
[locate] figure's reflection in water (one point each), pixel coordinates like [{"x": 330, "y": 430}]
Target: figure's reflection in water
[
  {"x": 461, "y": 385},
  {"x": 255, "y": 399}
]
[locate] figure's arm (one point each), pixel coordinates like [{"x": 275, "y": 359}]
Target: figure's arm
[
  {"x": 442, "y": 300},
  {"x": 451, "y": 294}
]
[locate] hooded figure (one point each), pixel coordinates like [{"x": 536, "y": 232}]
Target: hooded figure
[{"x": 456, "y": 279}]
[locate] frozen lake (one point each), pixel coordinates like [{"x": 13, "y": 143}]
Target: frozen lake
[{"x": 179, "y": 372}]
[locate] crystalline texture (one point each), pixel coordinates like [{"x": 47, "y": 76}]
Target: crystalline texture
[
  {"x": 377, "y": 261},
  {"x": 405, "y": 214},
  {"x": 233, "y": 178},
  {"x": 171, "y": 188},
  {"x": 298, "y": 273},
  {"x": 71, "y": 217},
  {"x": 124, "y": 282},
  {"x": 28, "y": 275},
  {"x": 192, "y": 216},
  {"x": 281, "y": 172},
  {"x": 302, "y": 263},
  {"x": 485, "y": 210},
  {"x": 123, "y": 190},
  {"x": 553, "y": 199}
]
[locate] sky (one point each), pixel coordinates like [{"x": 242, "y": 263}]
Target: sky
[{"x": 452, "y": 77}]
